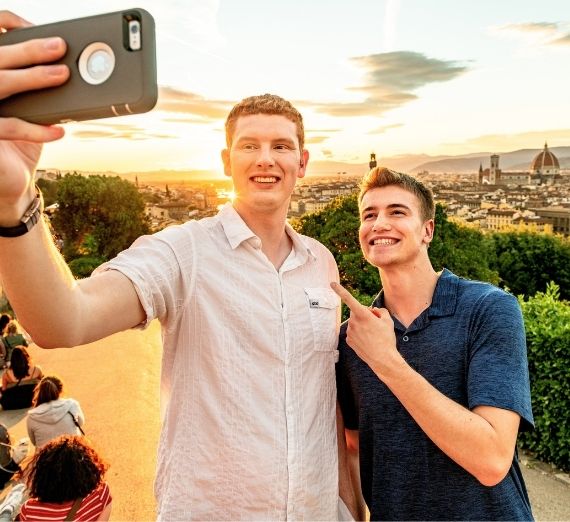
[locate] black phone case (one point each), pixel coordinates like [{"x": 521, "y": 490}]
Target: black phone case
[{"x": 131, "y": 88}]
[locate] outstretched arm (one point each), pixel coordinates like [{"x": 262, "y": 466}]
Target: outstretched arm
[{"x": 52, "y": 306}]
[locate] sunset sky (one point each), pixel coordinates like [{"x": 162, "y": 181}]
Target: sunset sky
[{"x": 394, "y": 77}]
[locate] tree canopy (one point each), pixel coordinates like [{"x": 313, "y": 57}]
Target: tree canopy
[{"x": 98, "y": 216}]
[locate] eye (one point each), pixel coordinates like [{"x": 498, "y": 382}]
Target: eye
[
  {"x": 398, "y": 212},
  {"x": 248, "y": 146},
  {"x": 282, "y": 147},
  {"x": 368, "y": 216}
]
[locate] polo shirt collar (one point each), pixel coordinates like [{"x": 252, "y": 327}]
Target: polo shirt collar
[
  {"x": 237, "y": 232},
  {"x": 444, "y": 299}
]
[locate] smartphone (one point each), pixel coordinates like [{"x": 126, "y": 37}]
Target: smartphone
[{"x": 112, "y": 60}]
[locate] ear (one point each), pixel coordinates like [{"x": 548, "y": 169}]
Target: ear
[
  {"x": 226, "y": 161},
  {"x": 429, "y": 227},
  {"x": 303, "y": 163}
]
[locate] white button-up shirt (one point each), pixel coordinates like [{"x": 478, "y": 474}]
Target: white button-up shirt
[{"x": 248, "y": 388}]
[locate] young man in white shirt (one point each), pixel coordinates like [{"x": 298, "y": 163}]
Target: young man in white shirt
[{"x": 249, "y": 322}]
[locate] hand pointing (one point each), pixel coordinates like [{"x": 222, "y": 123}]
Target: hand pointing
[{"x": 370, "y": 332}]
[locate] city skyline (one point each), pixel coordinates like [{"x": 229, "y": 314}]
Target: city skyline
[{"x": 395, "y": 77}]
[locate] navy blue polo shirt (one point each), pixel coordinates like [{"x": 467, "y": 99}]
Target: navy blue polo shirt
[{"x": 469, "y": 344}]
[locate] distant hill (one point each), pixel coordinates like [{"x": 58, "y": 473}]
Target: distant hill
[
  {"x": 518, "y": 160},
  {"x": 170, "y": 176},
  {"x": 515, "y": 161}
]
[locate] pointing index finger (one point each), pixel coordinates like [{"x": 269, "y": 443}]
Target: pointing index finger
[{"x": 347, "y": 298}]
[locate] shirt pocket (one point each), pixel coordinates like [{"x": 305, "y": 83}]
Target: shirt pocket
[{"x": 323, "y": 306}]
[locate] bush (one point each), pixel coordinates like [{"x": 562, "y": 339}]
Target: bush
[
  {"x": 547, "y": 323},
  {"x": 83, "y": 266}
]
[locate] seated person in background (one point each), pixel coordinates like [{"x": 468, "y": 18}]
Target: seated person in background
[
  {"x": 66, "y": 474},
  {"x": 52, "y": 415},
  {"x": 13, "y": 338},
  {"x": 4, "y": 320},
  {"x": 20, "y": 380},
  {"x": 21, "y": 368},
  {"x": 10, "y": 460}
]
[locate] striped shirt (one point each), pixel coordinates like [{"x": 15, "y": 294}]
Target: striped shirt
[{"x": 91, "y": 507}]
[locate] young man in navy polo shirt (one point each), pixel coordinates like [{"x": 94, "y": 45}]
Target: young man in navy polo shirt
[{"x": 433, "y": 380}]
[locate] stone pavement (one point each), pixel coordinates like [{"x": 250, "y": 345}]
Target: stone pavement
[{"x": 116, "y": 381}]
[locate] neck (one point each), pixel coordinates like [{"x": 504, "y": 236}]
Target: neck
[
  {"x": 270, "y": 229},
  {"x": 408, "y": 291}
]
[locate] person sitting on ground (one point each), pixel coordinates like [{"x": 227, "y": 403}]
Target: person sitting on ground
[
  {"x": 66, "y": 474},
  {"x": 4, "y": 320},
  {"x": 19, "y": 381},
  {"x": 52, "y": 415},
  {"x": 22, "y": 369},
  {"x": 10, "y": 456},
  {"x": 14, "y": 337}
]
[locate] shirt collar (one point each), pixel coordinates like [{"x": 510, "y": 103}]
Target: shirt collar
[
  {"x": 237, "y": 232},
  {"x": 444, "y": 298}
]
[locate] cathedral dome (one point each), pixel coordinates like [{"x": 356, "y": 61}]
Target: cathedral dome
[{"x": 545, "y": 162}]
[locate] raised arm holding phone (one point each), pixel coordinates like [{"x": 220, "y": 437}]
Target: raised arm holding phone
[{"x": 250, "y": 323}]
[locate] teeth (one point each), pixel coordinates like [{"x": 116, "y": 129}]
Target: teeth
[
  {"x": 260, "y": 179},
  {"x": 384, "y": 241}
]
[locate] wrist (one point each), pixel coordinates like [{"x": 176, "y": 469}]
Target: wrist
[
  {"x": 393, "y": 368},
  {"x": 22, "y": 218}
]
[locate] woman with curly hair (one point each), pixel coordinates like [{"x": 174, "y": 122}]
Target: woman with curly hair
[
  {"x": 65, "y": 475},
  {"x": 52, "y": 415}
]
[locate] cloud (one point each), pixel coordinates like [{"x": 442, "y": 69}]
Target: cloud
[
  {"x": 391, "y": 80},
  {"x": 116, "y": 131},
  {"x": 531, "y": 27},
  {"x": 548, "y": 33},
  {"x": 316, "y": 139},
  {"x": 174, "y": 100},
  {"x": 562, "y": 40},
  {"x": 384, "y": 128},
  {"x": 327, "y": 153}
]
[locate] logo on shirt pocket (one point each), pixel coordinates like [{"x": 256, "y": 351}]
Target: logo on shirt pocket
[{"x": 323, "y": 310}]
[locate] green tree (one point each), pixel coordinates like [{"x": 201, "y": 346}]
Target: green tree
[
  {"x": 526, "y": 262},
  {"x": 98, "y": 216},
  {"x": 465, "y": 251},
  {"x": 49, "y": 191}
]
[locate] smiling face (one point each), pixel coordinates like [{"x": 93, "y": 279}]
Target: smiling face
[
  {"x": 264, "y": 162},
  {"x": 392, "y": 231}
]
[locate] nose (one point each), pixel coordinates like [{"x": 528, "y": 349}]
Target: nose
[
  {"x": 381, "y": 224},
  {"x": 265, "y": 157}
]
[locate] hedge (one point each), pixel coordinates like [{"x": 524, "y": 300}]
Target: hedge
[{"x": 547, "y": 323}]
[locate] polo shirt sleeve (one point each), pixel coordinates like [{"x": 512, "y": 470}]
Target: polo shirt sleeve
[
  {"x": 345, "y": 393},
  {"x": 498, "y": 368}
]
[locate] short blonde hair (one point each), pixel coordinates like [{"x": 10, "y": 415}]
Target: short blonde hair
[{"x": 384, "y": 177}]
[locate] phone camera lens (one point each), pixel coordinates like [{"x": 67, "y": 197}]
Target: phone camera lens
[{"x": 134, "y": 28}]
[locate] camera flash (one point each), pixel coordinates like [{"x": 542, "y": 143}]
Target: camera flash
[{"x": 134, "y": 35}]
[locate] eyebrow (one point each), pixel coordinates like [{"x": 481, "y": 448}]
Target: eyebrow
[
  {"x": 388, "y": 207},
  {"x": 288, "y": 141}
]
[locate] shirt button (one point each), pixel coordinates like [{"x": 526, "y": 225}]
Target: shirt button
[{"x": 405, "y": 338}]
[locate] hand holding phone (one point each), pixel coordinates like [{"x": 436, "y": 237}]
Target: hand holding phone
[{"x": 112, "y": 67}]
